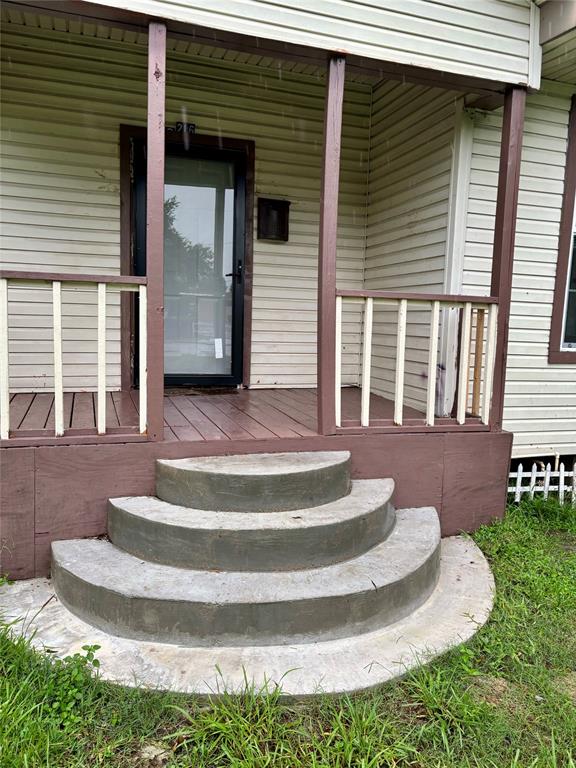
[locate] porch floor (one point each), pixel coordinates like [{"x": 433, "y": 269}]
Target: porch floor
[{"x": 233, "y": 415}]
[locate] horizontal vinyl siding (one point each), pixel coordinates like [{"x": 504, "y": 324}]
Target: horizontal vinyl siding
[
  {"x": 60, "y": 204},
  {"x": 540, "y": 398},
  {"x": 409, "y": 188},
  {"x": 64, "y": 97},
  {"x": 559, "y": 58},
  {"x": 486, "y": 38}
]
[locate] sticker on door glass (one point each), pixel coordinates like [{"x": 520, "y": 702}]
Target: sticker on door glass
[{"x": 218, "y": 350}]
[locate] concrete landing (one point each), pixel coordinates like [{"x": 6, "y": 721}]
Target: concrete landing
[{"x": 458, "y": 606}]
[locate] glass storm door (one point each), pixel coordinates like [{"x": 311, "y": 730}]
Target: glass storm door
[{"x": 203, "y": 261}]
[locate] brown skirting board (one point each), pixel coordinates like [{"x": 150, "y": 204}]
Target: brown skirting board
[{"x": 60, "y": 492}]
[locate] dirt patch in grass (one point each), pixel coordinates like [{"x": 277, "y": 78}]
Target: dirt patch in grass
[
  {"x": 493, "y": 690},
  {"x": 565, "y": 541},
  {"x": 567, "y": 685}
]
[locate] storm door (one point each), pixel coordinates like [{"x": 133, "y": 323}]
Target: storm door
[{"x": 204, "y": 214}]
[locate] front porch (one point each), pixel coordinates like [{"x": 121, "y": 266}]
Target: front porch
[
  {"x": 363, "y": 292},
  {"x": 354, "y": 332}
]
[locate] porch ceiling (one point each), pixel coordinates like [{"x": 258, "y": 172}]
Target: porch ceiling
[
  {"x": 39, "y": 18},
  {"x": 559, "y": 58},
  {"x": 93, "y": 20}
]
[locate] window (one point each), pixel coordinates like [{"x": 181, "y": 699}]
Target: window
[{"x": 563, "y": 327}]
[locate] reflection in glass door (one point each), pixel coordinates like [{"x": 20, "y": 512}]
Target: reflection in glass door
[
  {"x": 204, "y": 243},
  {"x": 198, "y": 266},
  {"x": 204, "y": 231}
]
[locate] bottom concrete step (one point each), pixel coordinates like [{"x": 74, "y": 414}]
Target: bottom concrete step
[
  {"x": 120, "y": 593},
  {"x": 459, "y": 605}
]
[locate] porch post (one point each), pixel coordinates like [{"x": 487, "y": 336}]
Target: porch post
[
  {"x": 155, "y": 227},
  {"x": 326, "y": 338},
  {"x": 504, "y": 237}
]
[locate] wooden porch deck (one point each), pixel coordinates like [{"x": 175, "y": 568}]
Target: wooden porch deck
[
  {"x": 58, "y": 488},
  {"x": 204, "y": 416}
]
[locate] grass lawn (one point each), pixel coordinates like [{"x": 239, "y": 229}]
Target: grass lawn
[{"x": 507, "y": 698}]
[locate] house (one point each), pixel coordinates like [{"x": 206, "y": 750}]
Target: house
[
  {"x": 240, "y": 228},
  {"x": 541, "y": 363}
]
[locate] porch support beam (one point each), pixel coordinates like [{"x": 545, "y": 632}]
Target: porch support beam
[
  {"x": 505, "y": 235},
  {"x": 326, "y": 338},
  {"x": 155, "y": 227}
]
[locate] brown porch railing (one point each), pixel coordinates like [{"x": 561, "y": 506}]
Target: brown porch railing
[
  {"x": 474, "y": 364},
  {"x": 102, "y": 285}
]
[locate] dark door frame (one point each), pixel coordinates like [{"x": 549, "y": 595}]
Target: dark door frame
[{"x": 128, "y": 134}]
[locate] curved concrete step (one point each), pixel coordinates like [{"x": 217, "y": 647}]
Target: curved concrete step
[
  {"x": 122, "y": 594},
  {"x": 161, "y": 532},
  {"x": 264, "y": 482},
  {"x": 459, "y": 605}
]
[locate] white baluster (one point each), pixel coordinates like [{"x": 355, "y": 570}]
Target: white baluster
[
  {"x": 400, "y": 359},
  {"x": 432, "y": 363},
  {"x": 58, "y": 371},
  {"x": 142, "y": 359},
  {"x": 101, "y": 421},
  {"x": 366, "y": 362},
  {"x": 338, "y": 364}
]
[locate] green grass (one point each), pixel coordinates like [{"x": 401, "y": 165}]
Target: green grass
[{"x": 500, "y": 701}]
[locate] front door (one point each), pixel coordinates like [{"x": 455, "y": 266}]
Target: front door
[{"x": 204, "y": 215}]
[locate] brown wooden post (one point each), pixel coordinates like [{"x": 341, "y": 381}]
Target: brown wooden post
[
  {"x": 504, "y": 237},
  {"x": 326, "y": 340},
  {"x": 155, "y": 226}
]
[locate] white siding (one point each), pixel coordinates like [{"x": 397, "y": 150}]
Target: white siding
[
  {"x": 559, "y": 58},
  {"x": 486, "y": 38},
  {"x": 64, "y": 98},
  {"x": 540, "y": 402},
  {"x": 409, "y": 190}
]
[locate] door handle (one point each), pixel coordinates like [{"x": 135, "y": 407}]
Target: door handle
[{"x": 237, "y": 274}]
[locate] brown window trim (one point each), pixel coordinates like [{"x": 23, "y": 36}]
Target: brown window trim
[{"x": 555, "y": 352}]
